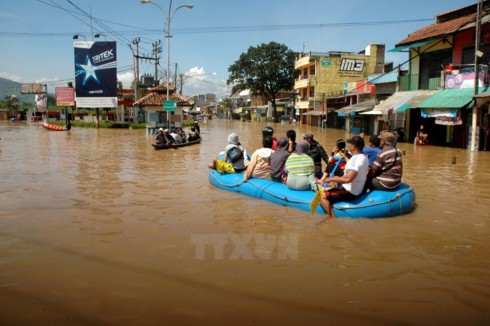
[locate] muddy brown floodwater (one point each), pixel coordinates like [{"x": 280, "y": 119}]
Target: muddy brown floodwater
[{"x": 96, "y": 227}]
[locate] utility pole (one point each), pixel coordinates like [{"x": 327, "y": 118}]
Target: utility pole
[
  {"x": 474, "y": 117},
  {"x": 136, "y": 42},
  {"x": 175, "y": 77},
  {"x": 156, "y": 50}
]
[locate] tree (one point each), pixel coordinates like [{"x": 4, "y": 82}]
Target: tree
[
  {"x": 227, "y": 103},
  {"x": 13, "y": 105},
  {"x": 266, "y": 69}
]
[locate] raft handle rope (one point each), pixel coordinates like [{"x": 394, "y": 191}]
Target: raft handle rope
[
  {"x": 258, "y": 187},
  {"x": 341, "y": 207},
  {"x": 397, "y": 197}
]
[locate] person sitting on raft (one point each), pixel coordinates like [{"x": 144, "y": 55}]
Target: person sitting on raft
[
  {"x": 194, "y": 134},
  {"x": 351, "y": 185},
  {"x": 373, "y": 148},
  {"x": 182, "y": 135},
  {"x": 317, "y": 153},
  {"x": 291, "y": 135},
  {"x": 161, "y": 139},
  {"x": 170, "y": 139},
  {"x": 267, "y": 131},
  {"x": 300, "y": 168},
  {"x": 386, "y": 171},
  {"x": 235, "y": 157},
  {"x": 260, "y": 163},
  {"x": 338, "y": 152},
  {"x": 278, "y": 160}
]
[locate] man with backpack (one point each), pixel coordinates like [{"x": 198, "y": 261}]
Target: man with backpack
[{"x": 317, "y": 153}]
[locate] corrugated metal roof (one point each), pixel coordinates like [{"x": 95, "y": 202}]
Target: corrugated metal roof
[
  {"x": 383, "y": 78},
  {"x": 395, "y": 101},
  {"x": 359, "y": 107},
  {"x": 415, "y": 101},
  {"x": 450, "y": 98}
]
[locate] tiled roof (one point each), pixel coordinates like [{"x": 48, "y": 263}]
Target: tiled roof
[
  {"x": 158, "y": 95},
  {"x": 438, "y": 29}
]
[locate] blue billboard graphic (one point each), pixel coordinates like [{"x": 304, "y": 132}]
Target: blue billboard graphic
[{"x": 96, "y": 74}]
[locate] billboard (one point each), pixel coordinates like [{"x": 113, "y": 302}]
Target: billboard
[
  {"x": 31, "y": 88},
  {"x": 65, "y": 96},
  {"x": 96, "y": 74}
]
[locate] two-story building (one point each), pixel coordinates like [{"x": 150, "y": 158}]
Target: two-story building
[{"x": 445, "y": 64}]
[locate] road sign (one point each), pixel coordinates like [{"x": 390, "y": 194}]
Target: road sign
[{"x": 170, "y": 105}]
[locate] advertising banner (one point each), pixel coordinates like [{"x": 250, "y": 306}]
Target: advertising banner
[
  {"x": 95, "y": 74},
  {"x": 65, "y": 96},
  {"x": 31, "y": 88}
]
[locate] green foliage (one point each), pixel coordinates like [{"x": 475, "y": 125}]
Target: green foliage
[{"x": 266, "y": 69}]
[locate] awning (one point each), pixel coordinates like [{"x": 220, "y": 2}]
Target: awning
[
  {"x": 315, "y": 112},
  {"x": 482, "y": 98},
  {"x": 396, "y": 100},
  {"x": 372, "y": 112},
  {"x": 358, "y": 107},
  {"x": 416, "y": 100},
  {"x": 451, "y": 98},
  {"x": 404, "y": 47}
]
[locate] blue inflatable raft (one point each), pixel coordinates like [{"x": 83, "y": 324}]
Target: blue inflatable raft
[{"x": 370, "y": 205}]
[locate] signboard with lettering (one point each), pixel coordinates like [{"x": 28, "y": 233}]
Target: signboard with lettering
[
  {"x": 96, "y": 74},
  {"x": 31, "y": 88},
  {"x": 325, "y": 63},
  {"x": 170, "y": 105},
  {"x": 65, "y": 96},
  {"x": 352, "y": 65}
]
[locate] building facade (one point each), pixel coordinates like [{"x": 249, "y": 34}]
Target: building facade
[{"x": 320, "y": 85}]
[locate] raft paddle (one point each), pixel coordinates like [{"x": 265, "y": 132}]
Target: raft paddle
[{"x": 316, "y": 200}]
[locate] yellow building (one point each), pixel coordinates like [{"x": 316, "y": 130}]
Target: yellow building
[{"x": 322, "y": 76}]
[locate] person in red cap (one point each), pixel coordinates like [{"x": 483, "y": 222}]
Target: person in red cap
[{"x": 351, "y": 185}]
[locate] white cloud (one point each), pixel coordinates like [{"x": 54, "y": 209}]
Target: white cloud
[
  {"x": 126, "y": 79},
  {"x": 10, "y": 76},
  {"x": 198, "y": 81}
]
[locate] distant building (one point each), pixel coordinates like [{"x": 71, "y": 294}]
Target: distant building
[{"x": 320, "y": 85}]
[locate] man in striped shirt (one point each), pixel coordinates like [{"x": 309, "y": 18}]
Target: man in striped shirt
[{"x": 386, "y": 171}]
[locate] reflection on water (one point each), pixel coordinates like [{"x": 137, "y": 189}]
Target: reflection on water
[{"x": 96, "y": 226}]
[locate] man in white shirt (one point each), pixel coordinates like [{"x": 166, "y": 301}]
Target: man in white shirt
[{"x": 352, "y": 182}]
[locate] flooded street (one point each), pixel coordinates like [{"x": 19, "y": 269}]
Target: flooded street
[{"x": 97, "y": 227}]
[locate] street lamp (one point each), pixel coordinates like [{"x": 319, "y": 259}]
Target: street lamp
[
  {"x": 99, "y": 35},
  {"x": 168, "y": 17},
  {"x": 76, "y": 36}
]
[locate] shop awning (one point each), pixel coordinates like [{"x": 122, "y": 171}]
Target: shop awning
[
  {"x": 372, "y": 112},
  {"x": 358, "y": 107},
  {"x": 315, "y": 112},
  {"x": 396, "y": 101},
  {"x": 416, "y": 100},
  {"x": 451, "y": 98},
  {"x": 403, "y": 48},
  {"x": 482, "y": 98}
]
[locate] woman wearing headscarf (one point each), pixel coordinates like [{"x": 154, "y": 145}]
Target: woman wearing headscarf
[
  {"x": 278, "y": 160},
  {"x": 235, "y": 157},
  {"x": 260, "y": 163},
  {"x": 300, "y": 168}
]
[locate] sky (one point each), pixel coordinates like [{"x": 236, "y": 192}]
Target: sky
[{"x": 36, "y": 36}]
